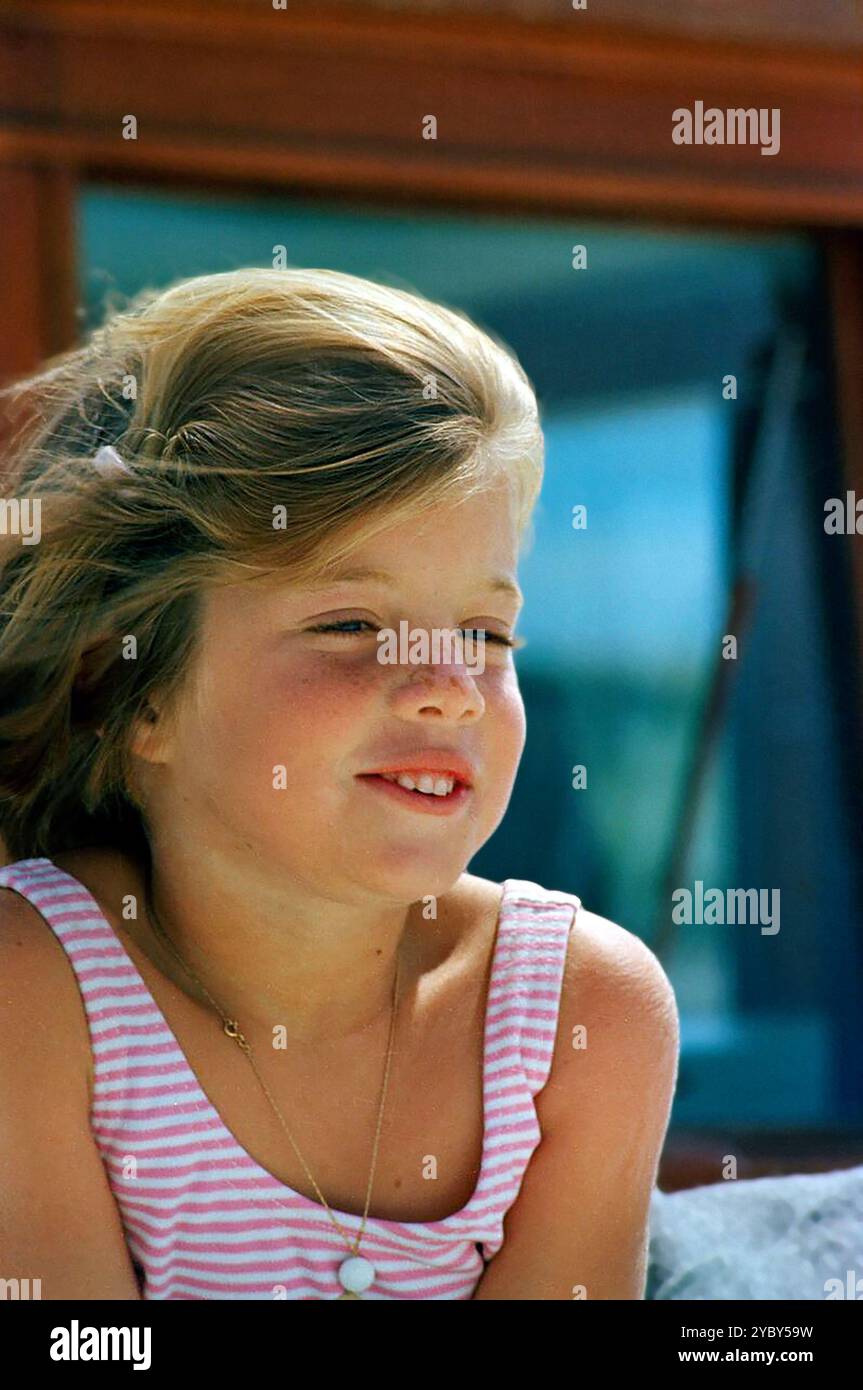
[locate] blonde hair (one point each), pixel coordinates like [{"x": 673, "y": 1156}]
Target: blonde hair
[{"x": 338, "y": 405}]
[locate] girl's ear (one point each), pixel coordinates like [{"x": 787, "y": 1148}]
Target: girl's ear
[{"x": 149, "y": 736}]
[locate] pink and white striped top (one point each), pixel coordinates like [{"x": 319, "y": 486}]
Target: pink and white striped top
[{"x": 202, "y": 1219}]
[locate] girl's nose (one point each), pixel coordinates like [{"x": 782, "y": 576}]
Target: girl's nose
[{"x": 439, "y": 691}]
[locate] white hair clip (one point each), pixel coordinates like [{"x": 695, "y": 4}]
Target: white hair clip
[{"x": 107, "y": 461}]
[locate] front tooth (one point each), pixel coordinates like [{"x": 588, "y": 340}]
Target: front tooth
[{"x": 426, "y": 782}]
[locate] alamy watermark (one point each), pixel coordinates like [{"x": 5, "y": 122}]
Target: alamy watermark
[
  {"x": 21, "y": 516},
  {"x": 844, "y": 516},
  {"x": 20, "y": 1289},
  {"x": 735, "y": 126},
  {"x": 728, "y": 905},
  {"x": 77, "y": 1343},
  {"x": 421, "y": 646}
]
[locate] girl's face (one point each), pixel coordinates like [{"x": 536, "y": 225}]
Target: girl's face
[{"x": 265, "y": 752}]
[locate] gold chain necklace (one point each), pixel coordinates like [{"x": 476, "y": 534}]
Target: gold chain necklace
[{"x": 355, "y": 1274}]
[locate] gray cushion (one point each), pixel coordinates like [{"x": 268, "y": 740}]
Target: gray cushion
[{"x": 770, "y": 1238}]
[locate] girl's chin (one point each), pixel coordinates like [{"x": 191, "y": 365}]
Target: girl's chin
[{"x": 423, "y": 876}]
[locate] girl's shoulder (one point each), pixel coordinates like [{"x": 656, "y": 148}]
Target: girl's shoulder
[
  {"x": 31, "y": 945},
  {"x": 616, "y": 1009},
  {"x": 54, "y": 1164},
  {"x": 37, "y": 977},
  {"x": 617, "y": 1012}
]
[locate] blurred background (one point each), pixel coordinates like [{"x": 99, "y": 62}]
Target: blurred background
[{"x": 258, "y": 130}]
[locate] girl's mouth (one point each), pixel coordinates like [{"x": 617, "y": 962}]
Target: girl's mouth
[{"x": 426, "y": 803}]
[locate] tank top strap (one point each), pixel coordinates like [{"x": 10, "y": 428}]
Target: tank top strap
[
  {"x": 117, "y": 1007},
  {"x": 527, "y": 976},
  {"x": 69, "y": 909}
]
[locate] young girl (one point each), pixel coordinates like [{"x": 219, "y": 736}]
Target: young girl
[{"x": 261, "y": 1034}]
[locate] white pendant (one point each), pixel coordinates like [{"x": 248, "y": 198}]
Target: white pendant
[{"x": 356, "y": 1274}]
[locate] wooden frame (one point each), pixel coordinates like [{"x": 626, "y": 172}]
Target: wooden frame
[{"x": 559, "y": 117}]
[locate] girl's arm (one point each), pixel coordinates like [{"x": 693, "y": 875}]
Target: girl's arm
[
  {"x": 59, "y": 1222},
  {"x": 579, "y": 1226}
]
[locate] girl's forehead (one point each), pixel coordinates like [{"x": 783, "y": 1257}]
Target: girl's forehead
[{"x": 464, "y": 540}]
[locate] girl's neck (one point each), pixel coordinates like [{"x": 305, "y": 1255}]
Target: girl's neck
[{"x": 323, "y": 971}]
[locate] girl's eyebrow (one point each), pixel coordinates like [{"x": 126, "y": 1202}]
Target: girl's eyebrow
[{"x": 499, "y": 583}]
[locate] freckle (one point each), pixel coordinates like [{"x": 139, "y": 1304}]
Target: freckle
[
  {"x": 397, "y": 1183},
  {"x": 378, "y": 950}
]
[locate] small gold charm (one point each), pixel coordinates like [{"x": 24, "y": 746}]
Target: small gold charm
[
  {"x": 348, "y": 1295},
  {"x": 233, "y": 1031}
]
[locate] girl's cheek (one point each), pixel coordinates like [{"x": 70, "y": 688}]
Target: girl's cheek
[
  {"x": 511, "y": 709},
  {"x": 344, "y": 675},
  {"x": 501, "y": 685}
]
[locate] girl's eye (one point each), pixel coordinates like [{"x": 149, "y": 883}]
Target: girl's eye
[
  {"x": 499, "y": 637},
  {"x": 339, "y": 629}
]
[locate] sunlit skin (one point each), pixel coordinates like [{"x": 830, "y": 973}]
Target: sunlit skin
[{"x": 292, "y": 903}]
